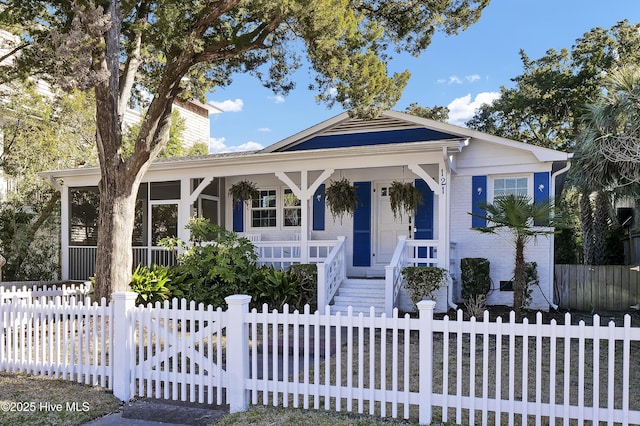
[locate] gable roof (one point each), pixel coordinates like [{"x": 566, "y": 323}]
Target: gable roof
[{"x": 394, "y": 127}]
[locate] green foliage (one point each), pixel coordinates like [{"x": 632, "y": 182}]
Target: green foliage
[
  {"x": 153, "y": 284},
  {"x": 244, "y": 190},
  {"x": 423, "y": 281},
  {"x": 517, "y": 215},
  {"x": 404, "y": 198},
  {"x": 437, "y": 113},
  {"x": 306, "y": 275},
  {"x": 167, "y": 51},
  {"x": 38, "y": 133},
  {"x": 296, "y": 287},
  {"x": 341, "y": 198},
  {"x": 475, "y": 276},
  {"x": 215, "y": 263},
  {"x": 546, "y": 104}
]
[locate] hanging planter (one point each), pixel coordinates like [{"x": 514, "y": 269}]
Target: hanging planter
[
  {"x": 404, "y": 198},
  {"x": 341, "y": 198},
  {"x": 244, "y": 191}
]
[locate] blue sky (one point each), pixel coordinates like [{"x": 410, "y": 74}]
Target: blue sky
[{"x": 460, "y": 72}]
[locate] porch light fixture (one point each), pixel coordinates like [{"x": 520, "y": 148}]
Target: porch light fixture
[
  {"x": 479, "y": 190},
  {"x": 541, "y": 187}
]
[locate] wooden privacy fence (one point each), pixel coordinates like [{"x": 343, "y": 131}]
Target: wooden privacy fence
[
  {"x": 597, "y": 287},
  {"x": 424, "y": 369}
]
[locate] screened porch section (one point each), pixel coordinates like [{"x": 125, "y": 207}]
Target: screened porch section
[{"x": 157, "y": 210}]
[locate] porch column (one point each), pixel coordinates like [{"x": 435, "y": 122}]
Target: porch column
[
  {"x": 304, "y": 194},
  {"x": 65, "y": 216},
  {"x": 439, "y": 189},
  {"x": 184, "y": 209}
]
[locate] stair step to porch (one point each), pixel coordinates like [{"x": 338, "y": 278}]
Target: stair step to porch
[{"x": 361, "y": 295}]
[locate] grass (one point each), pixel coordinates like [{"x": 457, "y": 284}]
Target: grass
[
  {"x": 270, "y": 416},
  {"x": 42, "y": 400}
]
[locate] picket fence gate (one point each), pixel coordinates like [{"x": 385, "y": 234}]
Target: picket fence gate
[{"x": 419, "y": 368}]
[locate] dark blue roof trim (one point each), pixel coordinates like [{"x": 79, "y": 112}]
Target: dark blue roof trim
[{"x": 369, "y": 138}]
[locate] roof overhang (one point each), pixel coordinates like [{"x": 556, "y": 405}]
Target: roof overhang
[{"x": 290, "y": 161}]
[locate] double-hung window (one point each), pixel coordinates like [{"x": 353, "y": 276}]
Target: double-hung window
[
  {"x": 264, "y": 209},
  {"x": 276, "y": 208},
  {"x": 510, "y": 186}
]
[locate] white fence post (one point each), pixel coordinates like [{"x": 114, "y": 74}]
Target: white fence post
[
  {"x": 237, "y": 352},
  {"x": 425, "y": 308},
  {"x": 123, "y": 348}
]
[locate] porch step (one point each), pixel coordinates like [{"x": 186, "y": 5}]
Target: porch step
[{"x": 361, "y": 295}]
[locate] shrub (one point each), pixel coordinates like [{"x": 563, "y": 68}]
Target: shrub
[
  {"x": 152, "y": 284},
  {"x": 475, "y": 277},
  {"x": 215, "y": 263},
  {"x": 295, "y": 287},
  {"x": 307, "y": 277},
  {"x": 423, "y": 281}
]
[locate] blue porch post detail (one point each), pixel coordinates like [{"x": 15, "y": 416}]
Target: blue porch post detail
[
  {"x": 540, "y": 190},
  {"x": 424, "y": 212},
  {"x": 478, "y": 195},
  {"x": 318, "y": 209},
  {"x": 423, "y": 221},
  {"x": 362, "y": 225},
  {"x": 238, "y": 216}
]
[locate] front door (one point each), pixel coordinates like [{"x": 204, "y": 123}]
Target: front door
[{"x": 389, "y": 228}]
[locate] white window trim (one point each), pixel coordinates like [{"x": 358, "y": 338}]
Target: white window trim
[
  {"x": 493, "y": 178},
  {"x": 279, "y": 212}
]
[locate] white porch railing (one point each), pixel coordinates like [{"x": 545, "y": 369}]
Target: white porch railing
[
  {"x": 407, "y": 253},
  {"x": 282, "y": 254},
  {"x": 332, "y": 272}
]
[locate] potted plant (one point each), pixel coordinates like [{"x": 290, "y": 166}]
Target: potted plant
[
  {"x": 422, "y": 282},
  {"x": 243, "y": 191},
  {"x": 404, "y": 198},
  {"x": 341, "y": 198}
]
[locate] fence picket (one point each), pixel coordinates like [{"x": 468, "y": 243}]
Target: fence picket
[{"x": 177, "y": 352}]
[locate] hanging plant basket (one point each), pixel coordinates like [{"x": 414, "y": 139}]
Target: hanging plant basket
[
  {"x": 404, "y": 198},
  {"x": 244, "y": 191},
  {"x": 341, "y": 198}
]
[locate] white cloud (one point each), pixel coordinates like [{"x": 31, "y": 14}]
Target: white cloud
[
  {"x": 264, "y": 129},
  {"x": 279, "y": 99},
  {"x": 454, "y": 79},
  {"x": 462, "y": 109},
  {"x": 229, "y": 105},
  {"x": 218, "y": 146}
]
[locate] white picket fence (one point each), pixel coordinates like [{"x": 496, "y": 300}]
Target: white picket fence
[{"x": 425, "y": 369}]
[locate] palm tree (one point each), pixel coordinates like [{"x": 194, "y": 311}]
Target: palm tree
[
  {"x": 518, "y": 215},
  {"x": 608, "y": 155}
]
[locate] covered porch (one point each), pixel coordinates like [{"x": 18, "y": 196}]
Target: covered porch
[{"x": 289, "y": 223}]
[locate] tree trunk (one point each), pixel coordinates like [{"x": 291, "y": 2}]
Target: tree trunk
[
  {"x": 600, "y": 226},
  {"x": 586, "y": 225},
  {"x": 519, "y": 276},
  {"x": 114, "y": 260}
]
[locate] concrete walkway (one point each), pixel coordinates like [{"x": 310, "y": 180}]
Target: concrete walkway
[{"x": 158, "y": 413}]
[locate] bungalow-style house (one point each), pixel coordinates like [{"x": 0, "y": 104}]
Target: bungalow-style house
[{"x": 359, "y": 258}]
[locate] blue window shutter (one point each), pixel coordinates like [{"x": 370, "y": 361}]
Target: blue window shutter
[
  {"x": 362, "y": 225},
  {"x": 540, "y": 190},
  {"x": 424, "y": 212},
  {"x": 318, "y": 209},
  {"x": 478, "y": 195},
  {"x": 238, "y": 216},
  {"x": 540, "y": 187}
]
